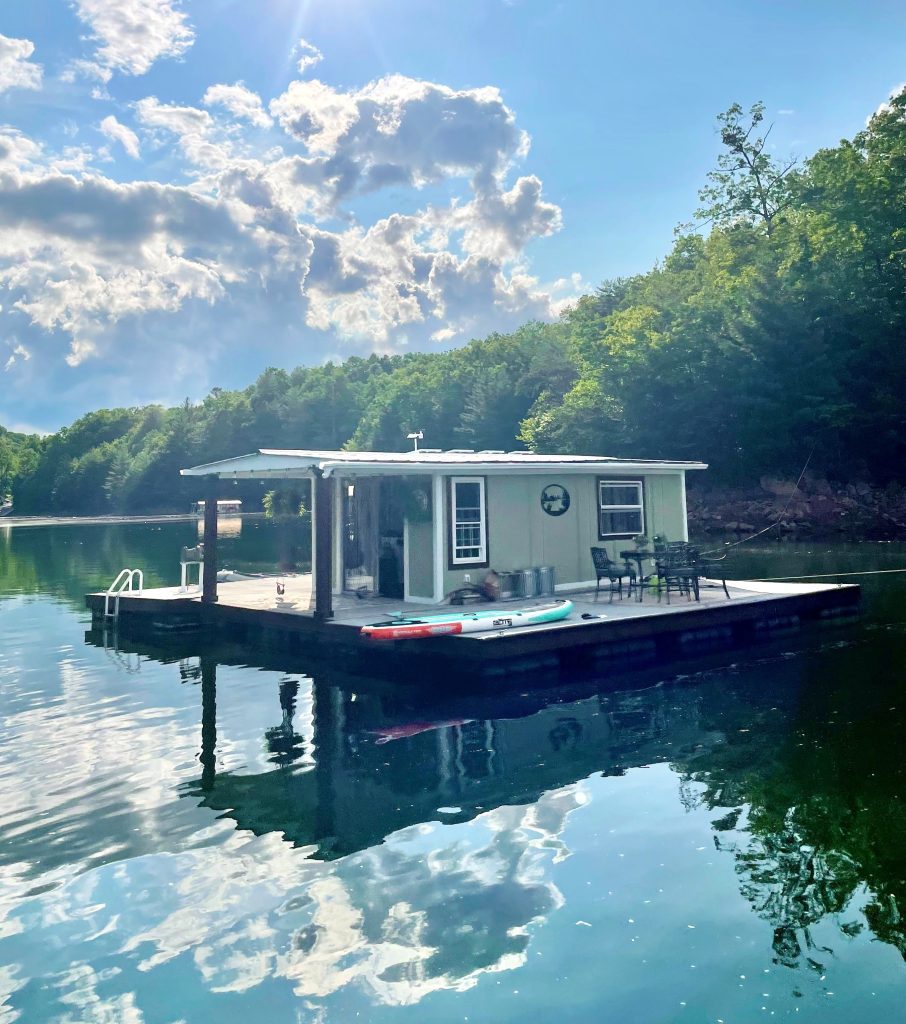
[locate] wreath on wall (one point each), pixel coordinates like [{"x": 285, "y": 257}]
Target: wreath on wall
[{"x": 417, "y": 502}]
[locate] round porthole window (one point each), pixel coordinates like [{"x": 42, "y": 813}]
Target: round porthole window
[{"x": 555, "y": 499}]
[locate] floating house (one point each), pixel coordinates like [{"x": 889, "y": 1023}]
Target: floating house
[
  {"x": 396, "y": 533},
  {"x": 417, "y": 525}
]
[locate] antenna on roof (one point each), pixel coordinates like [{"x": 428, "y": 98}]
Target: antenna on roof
[{"x": 418, "y": 435}]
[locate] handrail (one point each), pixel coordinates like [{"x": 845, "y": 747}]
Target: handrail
[{"x": 124, "y": 581}]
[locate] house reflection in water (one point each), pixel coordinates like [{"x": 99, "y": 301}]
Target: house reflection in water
[
  {"x": 370, "y": 770},
  {"x": 360, "y": 785}
]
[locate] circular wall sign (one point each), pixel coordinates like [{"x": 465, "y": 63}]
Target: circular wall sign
[{"x": 555, "y": 499}]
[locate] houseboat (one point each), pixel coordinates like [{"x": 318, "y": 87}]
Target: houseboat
[
  {"x": 415, "y": 526},
  {"x": 397, "y": 535}
]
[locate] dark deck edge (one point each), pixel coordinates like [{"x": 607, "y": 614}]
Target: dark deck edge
[{"x": 648, "y": 639}]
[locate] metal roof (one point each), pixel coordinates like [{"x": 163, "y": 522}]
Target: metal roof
[{"x": 273, "y": 463}]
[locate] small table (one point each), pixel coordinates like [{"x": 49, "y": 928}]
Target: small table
[{"x": 638, "y": 556}]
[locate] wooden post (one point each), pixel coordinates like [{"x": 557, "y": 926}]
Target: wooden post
[
  {"x": 322, "y": 489},
  {"x": 209, "y": 574},
  {"x": 208, "y": 721}
]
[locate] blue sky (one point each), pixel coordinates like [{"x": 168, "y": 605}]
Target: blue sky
[{"x": 192, "y": 190}]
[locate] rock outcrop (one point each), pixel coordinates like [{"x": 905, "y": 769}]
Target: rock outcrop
[{"x": 816, "y": 507}]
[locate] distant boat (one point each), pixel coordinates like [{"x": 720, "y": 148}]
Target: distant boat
[
  {"x": 452, "y": 623},
  {"x": 225, "y": 507}
]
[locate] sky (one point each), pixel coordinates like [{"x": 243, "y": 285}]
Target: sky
[{"x": 194, "y": 190}]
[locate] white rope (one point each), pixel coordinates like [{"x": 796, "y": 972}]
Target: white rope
[
  {"x": 825, "y": 575},
  {"x": 779, "y": 519}
]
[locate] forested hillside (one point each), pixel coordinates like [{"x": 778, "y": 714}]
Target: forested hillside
[
  {"x": 18, "y": 457},
  {"x": 774, "y": 330}
]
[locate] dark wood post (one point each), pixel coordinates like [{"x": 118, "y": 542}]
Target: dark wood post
[
  {"x": 208, "y": 721},
  {"x": 209, "y": 571},
  {"x": 322, "y": 488}
]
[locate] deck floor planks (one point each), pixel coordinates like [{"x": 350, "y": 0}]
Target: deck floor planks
[{"x": 261, "y": 595}]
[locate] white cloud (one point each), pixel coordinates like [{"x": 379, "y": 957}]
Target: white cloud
[
  {"x": 80, "y": 349},
  {"x": 499, "y": 224},
  {"x": 132, "y": 34},
  {"x": 80, "y": 254},
  {"x": 120, "y": 133},
  {"x": 193, "y": 127},
  {"x": 80, "y": 68},
  {"x": 311, "y": 55},
  {"x": 885, "y": 107},
  {"x": 20, "y": 352},
  {"x": 315, "y": 114},
  {"x": 182, "y": 121},
  {"x": 241, "y": 102},
  {"x": 16, "y": 71},
  {"x": 167, "y": 283},
  {"x": 399, "y": 131}
]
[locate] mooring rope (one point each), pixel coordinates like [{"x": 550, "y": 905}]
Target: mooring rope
[
  {"x": 825, "y": 575},
  {"x": 776, "y": 521}
]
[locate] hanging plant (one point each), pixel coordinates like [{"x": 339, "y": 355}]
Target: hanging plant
[{"x": 417, "y": 501}]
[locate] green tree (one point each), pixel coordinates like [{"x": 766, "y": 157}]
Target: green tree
[{"x": 747, "y": 184}]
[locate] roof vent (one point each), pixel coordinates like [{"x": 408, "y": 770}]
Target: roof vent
[
  {"x": 492, "y": 451},
  {"x": 430, "y": 451},
  {"x": 460, "y": 451},
  {"x": 520, "y": 451}
]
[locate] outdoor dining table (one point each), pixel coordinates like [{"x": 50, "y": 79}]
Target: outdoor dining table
[
  {"x": 689, "y": 573},
  {"x": 638, "y": 556}
]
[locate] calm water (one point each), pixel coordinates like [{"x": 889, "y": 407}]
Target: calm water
[{"x": 206, "y": 834}]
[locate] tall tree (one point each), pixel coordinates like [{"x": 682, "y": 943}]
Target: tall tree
[{"x": 747, "y": 184}]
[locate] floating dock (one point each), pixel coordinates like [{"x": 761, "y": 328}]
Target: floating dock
[{"x": 598, "y": 632}]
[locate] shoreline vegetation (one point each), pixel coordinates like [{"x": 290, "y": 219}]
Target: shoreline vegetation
[
  {"x": 853, "y": 513},
  {"x": 769, "y": 338}
]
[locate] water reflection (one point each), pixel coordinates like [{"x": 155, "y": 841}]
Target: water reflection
[
  {"x": 171, "y": 818},
  {"x": 806, "y": 776},
  {"x": 68, "y": 561},
  {"x": 227, "y": 526},
  {"x": 823, "y": 788}
]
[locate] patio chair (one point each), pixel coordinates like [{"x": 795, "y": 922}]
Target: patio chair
[
  {"x": 676, "y": 571},
  {"x": 607, "y": 569}
]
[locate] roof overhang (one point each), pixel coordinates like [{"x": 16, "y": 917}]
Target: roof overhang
[
  {"x": 274, "y": 464},
  {"x": 258, "y": 465}
]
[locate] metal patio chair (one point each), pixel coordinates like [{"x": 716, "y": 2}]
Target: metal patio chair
[
  {"x": 607, "y": 569},
  {"x": 676, "y": 570}
]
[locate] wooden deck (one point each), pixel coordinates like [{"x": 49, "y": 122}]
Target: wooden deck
[{"x": 252, "y": 611}]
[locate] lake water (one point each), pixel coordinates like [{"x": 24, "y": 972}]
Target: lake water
[{"x": 197, "y": 833}]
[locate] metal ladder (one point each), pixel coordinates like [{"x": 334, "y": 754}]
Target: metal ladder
[{"x": 123, "y": 583}]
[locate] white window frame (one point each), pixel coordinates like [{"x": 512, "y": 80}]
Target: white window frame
[
  {"x": 639, "y": 507},
  {"x": 482, "y": 557}
]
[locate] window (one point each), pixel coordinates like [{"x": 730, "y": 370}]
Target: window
[
  {"x": 620, "y": 509},
  {"x": 468, "y": 521}
]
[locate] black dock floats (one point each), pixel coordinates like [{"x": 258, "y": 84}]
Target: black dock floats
[{"x": 596, "y": 635}]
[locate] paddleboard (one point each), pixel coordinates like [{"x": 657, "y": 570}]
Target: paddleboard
[{"x": 453, "y": 623}]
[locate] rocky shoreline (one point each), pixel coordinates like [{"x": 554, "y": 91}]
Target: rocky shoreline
[{"x": 817, "y": 507}]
